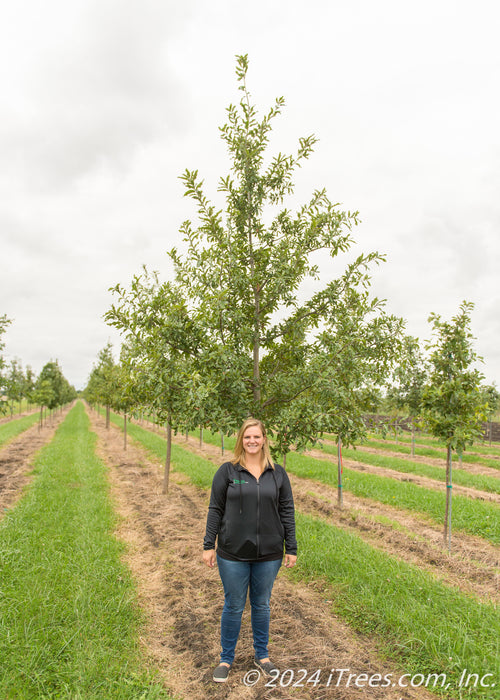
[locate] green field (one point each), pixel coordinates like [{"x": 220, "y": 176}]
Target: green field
[
  {"x": 426, "y": 625},
  {"x": 69, "y": 620}
]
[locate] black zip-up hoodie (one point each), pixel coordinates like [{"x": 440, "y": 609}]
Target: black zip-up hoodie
[{"x": 251, "y": 519}]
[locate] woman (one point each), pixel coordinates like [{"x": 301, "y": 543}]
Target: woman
[{"x": 251, "y": 513}]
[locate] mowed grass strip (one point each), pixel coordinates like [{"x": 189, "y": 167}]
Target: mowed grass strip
[
  {"x": 435, "y": 448},
  {"x": 69, "y": 621},
  {"x": 467, "y": 457},
  {"x": 16, "y": 426},
  {"x": 469, "y": 515},
  {"x": 425, "y": 625},
  {"x": 427, "y": 446},
  {"x": 460, "y": 476}
]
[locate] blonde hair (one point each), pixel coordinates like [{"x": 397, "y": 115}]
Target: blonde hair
[{"x": 239, "y": 452}]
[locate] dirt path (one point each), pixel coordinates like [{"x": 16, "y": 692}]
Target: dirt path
[
  {"x": 183, "y": 599},
  {"x": 16, "y": 459},
  {"x": 472, "y": 566}
]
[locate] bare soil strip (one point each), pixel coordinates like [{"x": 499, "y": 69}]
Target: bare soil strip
[
  {"x": 472, "y": 565},
  {"x": 183, "y": 599},
  {"x": 16, "y": 458}
]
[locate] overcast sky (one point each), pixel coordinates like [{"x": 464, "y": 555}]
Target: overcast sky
[{"x": 105, "y": 103}]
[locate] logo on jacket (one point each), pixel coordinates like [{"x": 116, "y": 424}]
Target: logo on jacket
[{"x": 239, "y": 481}]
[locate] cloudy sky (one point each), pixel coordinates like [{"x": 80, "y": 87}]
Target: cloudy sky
[{"x": 104, "y": 103}]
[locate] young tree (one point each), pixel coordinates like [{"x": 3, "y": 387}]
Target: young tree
[
  {"x": 492, "y": 401},
  {"x": 363, "y": 350},
  {"x": 43, "y": 396},
  {"x": 29, "y": 384},
  {"x": 263, "y": 350},
  {"x": 160, "y": 351},
  {"x": 453, "y": 404},
  {"x": 409, "y": 378},
  {"x": 126, "y": 395},
  {"x": 52, "y": 389},
  {"x": 15, "y": 383},
  {"x": 4, "y": 323},
  {"x": 101, "y": 387}
]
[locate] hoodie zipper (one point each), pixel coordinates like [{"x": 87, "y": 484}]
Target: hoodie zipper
[
  {"x": 257, "y": 481},
  {"x": 258, "y": 511},
  {"x": 258, "y": 517}
]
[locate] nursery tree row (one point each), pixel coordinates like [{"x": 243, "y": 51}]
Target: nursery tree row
[
  {"x": 49, "y": 390},
  {"x": 248, "y": 324}
]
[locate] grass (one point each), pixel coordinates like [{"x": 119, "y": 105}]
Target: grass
[
  {"x": 468, "y": 457},
  {"x": 13, "y": 428},
  {"x": 460, "y": 476},
  {"x": 469, "y": 515},
  {"x": 69, "y": 621},
  {"x": 424, "y": 625},
  {"x": 435, "y": 448}
]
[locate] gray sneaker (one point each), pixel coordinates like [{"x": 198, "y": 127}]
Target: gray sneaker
[
  {"x": 221, "y": 673},
  {"x": 267, "y": 667}
]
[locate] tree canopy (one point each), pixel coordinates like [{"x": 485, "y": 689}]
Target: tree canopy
[
  {"x": 234, "y": 330},
  {"x": 454, "y": 405}
]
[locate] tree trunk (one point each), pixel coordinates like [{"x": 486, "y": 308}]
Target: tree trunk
[
  {"x": 201, "y": 437},
  {"x": 222, "y": 443},
  {"x": 256, "y": 322},
  {"x": 256, "y": 368},
  {"x": 108, "y": 412},
  {"x": 412, "y": 439},
  {"x": 339, "y": 472},
  {"x": 124, "y": 431},
  {"x": 447, "y": 515},
  {"x": 166, "y": 474}
]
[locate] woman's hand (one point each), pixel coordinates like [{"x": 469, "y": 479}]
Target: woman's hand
[
  {"x": 209, "y": 557},
  {"x": 290, "y": 560}
]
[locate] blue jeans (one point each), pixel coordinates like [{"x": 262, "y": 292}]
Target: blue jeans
[{"x": 238, "y": 577}]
